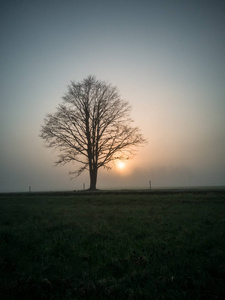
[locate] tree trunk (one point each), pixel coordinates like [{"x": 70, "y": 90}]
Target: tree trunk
[{"x": 93, "y": 179}]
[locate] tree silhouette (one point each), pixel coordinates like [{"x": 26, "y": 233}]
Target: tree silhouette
[{"x": 91, "y": 127}]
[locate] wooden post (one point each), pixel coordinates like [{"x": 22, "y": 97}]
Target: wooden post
[
  {"x": 150, "y": 184},
  {"x": 29, "y": 188},
  {"x": 83, "y": 186}
]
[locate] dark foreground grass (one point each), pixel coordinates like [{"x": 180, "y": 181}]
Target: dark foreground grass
[{"x": 112, "y": 246}]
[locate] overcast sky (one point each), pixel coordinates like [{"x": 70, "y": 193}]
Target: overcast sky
[{"x": 165, "y": 57}]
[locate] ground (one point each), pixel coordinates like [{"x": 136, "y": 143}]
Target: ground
[{"x": 113, "y": 245}]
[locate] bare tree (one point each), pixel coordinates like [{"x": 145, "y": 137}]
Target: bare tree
[{"x": 91, "y": 127}]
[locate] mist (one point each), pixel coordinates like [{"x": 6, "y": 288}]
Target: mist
[{"x": 167, "y": 60}]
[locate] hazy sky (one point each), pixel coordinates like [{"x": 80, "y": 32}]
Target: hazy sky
[{"x": 166, "y": 58}]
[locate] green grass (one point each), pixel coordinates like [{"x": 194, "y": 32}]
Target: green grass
[{"x": 156, "y": 246}]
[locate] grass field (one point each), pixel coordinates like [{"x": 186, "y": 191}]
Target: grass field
[{"x": 123, "y": 246}]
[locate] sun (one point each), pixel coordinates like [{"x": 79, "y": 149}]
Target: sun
[{"x": 120, "y": 165}]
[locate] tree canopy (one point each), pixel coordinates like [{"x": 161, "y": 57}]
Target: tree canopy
[{"x": 92, "y": 127}]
